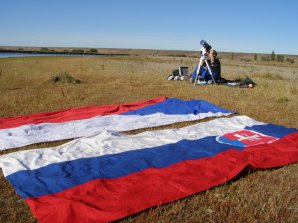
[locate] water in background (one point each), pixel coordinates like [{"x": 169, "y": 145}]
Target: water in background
[{"x": 7, "y": 55}]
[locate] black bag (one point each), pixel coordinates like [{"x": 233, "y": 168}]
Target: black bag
[{"x": 247, "y": 82}]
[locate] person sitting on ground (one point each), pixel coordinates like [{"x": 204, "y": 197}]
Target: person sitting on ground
[
  {"x": 203, "y": 71},
  {"x": 215, "y": 67}
]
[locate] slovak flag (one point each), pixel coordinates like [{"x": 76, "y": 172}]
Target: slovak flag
[{"x": 109, "y": 176}]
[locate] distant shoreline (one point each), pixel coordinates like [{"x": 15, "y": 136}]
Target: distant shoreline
[
  {"x": 97, "y": 51},
  {"x": 59, "y": 52},
  {"x": 246, "y": 57},
  {"x": 127, "y": 51}
]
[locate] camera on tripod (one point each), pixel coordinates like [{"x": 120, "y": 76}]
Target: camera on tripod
[{"x": 205, "y": 50}]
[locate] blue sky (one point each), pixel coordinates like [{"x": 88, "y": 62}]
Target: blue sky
[{"x": 256, "y": 26}]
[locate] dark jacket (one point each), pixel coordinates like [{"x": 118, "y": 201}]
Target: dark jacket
[{"x": 215, "y": 68}]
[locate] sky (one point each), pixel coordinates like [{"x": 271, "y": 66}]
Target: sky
[{"x": 253, "y": 26}]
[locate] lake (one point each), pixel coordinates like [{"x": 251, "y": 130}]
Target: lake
[{"x": 7, "y": 55}]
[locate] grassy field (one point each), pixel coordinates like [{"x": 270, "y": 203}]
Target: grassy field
[{"x": 259, "y": 196}]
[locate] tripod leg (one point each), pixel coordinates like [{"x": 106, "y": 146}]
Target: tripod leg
[
  {"x": 198, "y": 71},
  {"x": 210, "y": 72}
]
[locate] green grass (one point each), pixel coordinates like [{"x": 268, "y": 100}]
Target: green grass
[{"x": 260, "y": 196}]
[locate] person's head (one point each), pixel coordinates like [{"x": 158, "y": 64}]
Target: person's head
[{"x": 213, "y": 54}]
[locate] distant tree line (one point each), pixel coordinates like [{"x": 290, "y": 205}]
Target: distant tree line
[
  {"x": 267, "y": 58},
  {"x": 44, "y": 50},
  {"x": 73, "y": 51},
  {"x": 273, "y": 57},
  {"x": 177, "y": 55}
]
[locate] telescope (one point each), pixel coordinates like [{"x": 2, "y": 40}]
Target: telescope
[{"x": 204, "y": 51}]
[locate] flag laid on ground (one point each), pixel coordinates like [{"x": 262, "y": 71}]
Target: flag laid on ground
[
  {"x": 86, "y": 121},
  {"x": 111, "y": 175}
]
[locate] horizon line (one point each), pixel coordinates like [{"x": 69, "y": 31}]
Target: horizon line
[{"x": 147, "y": 49}]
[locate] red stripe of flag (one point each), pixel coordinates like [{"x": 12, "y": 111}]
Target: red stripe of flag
[
  {"x": 105, "y": 200},
  {"x": 74, "y": 113}
]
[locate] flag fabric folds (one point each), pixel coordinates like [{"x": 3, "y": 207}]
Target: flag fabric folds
[
  {"x": 86, "y": 121},
  {"x": 108, "y": 176}
]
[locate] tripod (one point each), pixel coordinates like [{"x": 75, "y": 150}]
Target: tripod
[{"x": 202, "y": 60}]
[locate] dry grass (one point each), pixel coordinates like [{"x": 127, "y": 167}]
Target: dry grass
[{"x": 261, "y": 196}]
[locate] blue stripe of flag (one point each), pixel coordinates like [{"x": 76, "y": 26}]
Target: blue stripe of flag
[
  {"x": 174, "y": 106},
  {"x": 60, "y": 176}
]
